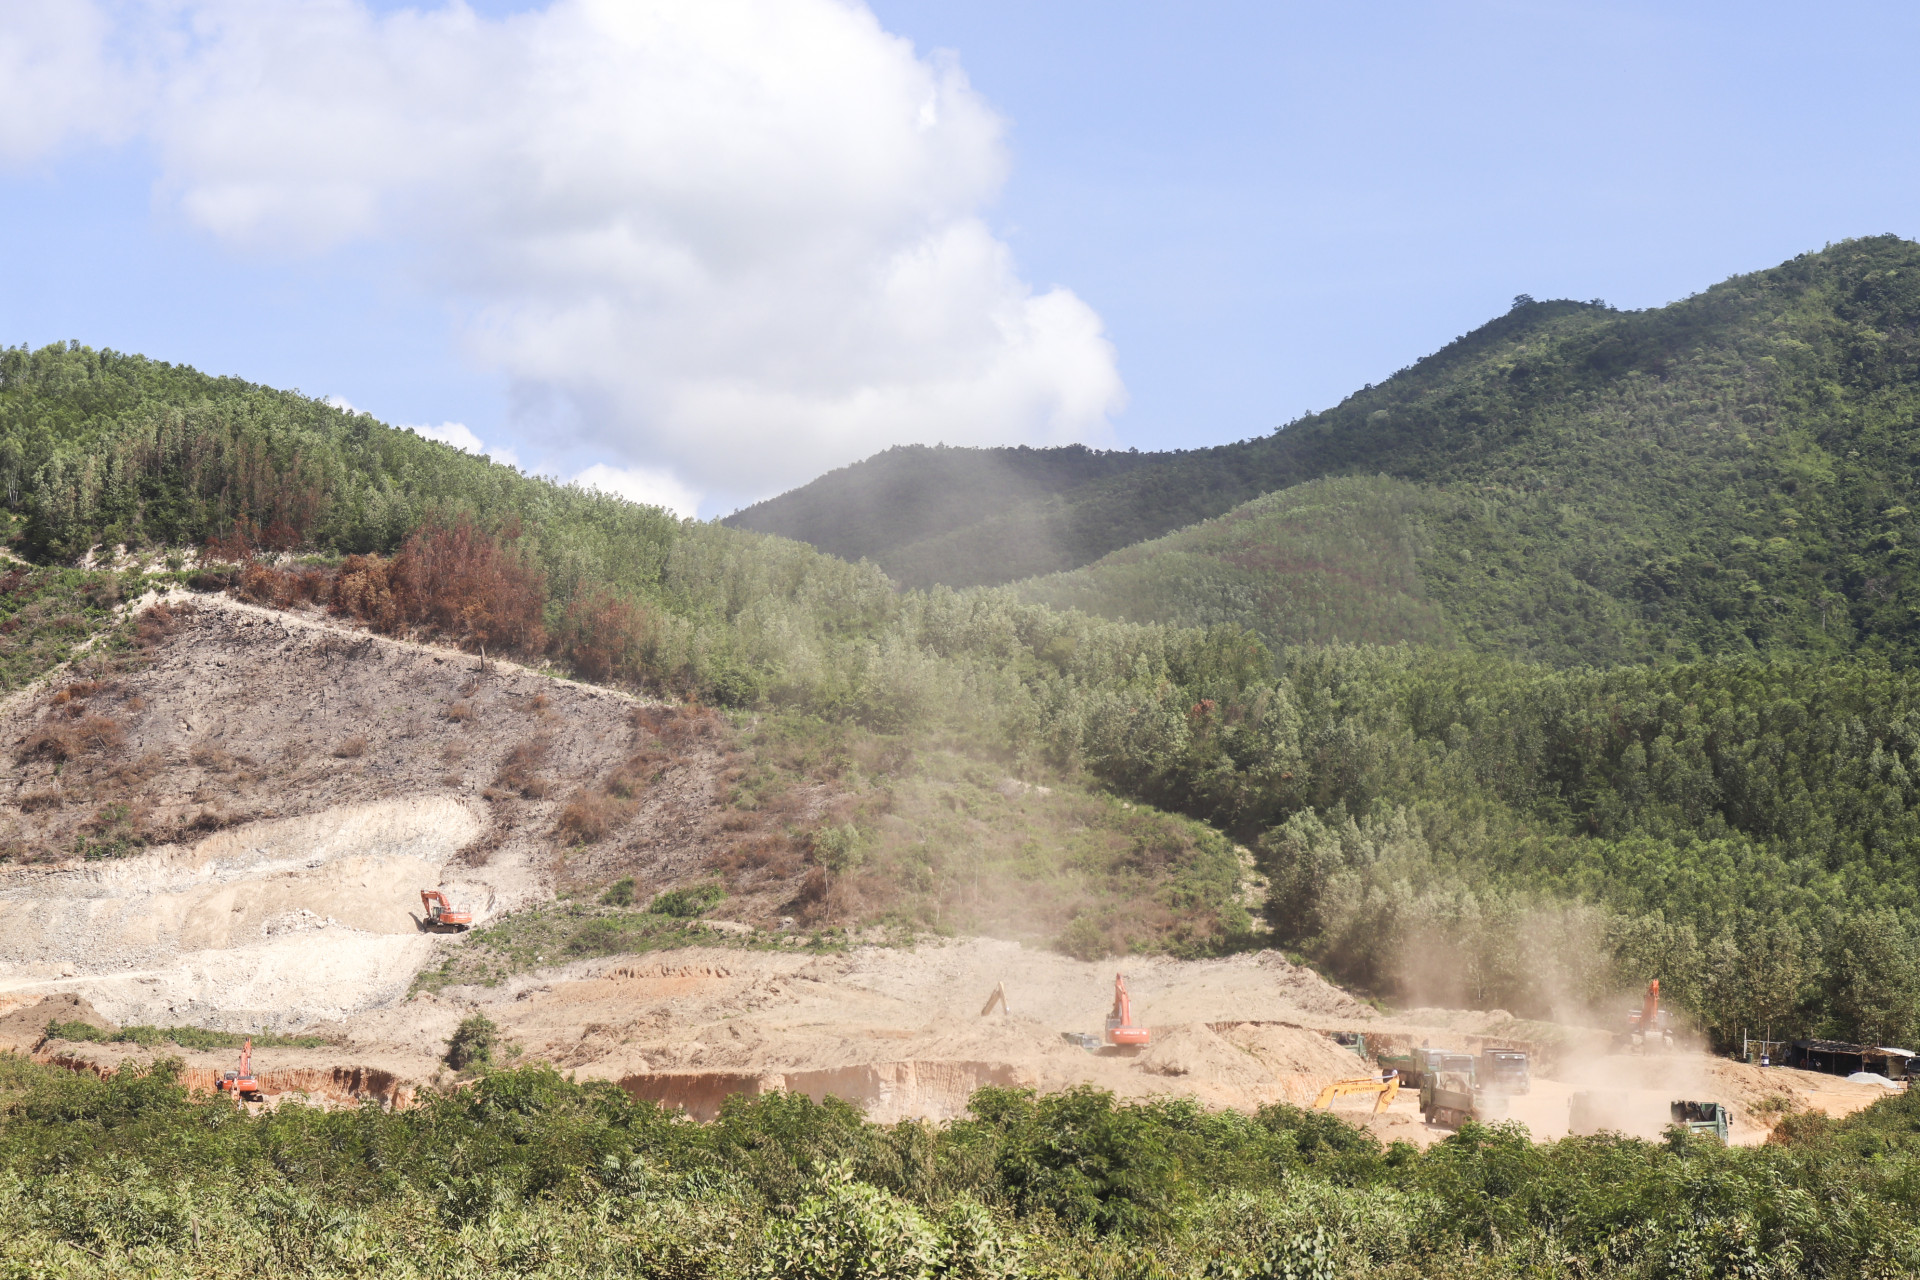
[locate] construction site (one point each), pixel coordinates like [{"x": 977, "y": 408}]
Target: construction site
[{"x": 343, "y": 811}]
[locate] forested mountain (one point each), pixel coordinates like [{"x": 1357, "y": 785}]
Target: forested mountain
[
  {"x": 1730, "y": 473},
  {"x": 1320, "y": 562},
  {"x": 913, "y": 492},
  {"x": 1472, "y": 814}
]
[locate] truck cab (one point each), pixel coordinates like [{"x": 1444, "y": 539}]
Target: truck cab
[
  {"x": 1506, "y": 1071},
  {"x": 1428, "y": 1063}
]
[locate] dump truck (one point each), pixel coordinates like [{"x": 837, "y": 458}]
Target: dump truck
[
  {"x": 1428, "y": 1063},
  {"x": 1702, "y": 1117},
  {"x": 1354, "y": 1040},
  {"x": 1414, "y": 1067},
  {"x": 1450, "y": 1098},
  {"x": 1505, "y": 1071}
]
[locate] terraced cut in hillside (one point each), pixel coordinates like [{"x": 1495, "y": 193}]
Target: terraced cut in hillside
[{"x": 234, "y": 825}]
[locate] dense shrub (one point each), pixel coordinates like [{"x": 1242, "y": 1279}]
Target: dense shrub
[
  {"x": 685, "y": 904},
  {"x": 472, "y": 1045},
  {"x": 523, "y": 1172}
]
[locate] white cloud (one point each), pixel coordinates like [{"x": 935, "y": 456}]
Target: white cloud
[
  {"x": 461, "y": 437},
  {"x": 456, "y": 434},
  {"x": 66, "y": 75},
  {"x": 640, "y": 484},
  {"x": 740, "y": 240}
]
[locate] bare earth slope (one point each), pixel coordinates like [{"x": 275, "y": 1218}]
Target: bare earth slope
[{"x": 302, "y": 784}]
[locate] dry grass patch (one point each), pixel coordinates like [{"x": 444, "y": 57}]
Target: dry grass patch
[
  {"x": 42, "y": 800},
  {"x": 592, "y": 815},
  {"x": 212, "y": 758},
  {"x": 519, "y": 772}
]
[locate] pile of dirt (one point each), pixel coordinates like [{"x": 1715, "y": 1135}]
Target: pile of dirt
[
  {"x": 1294, "y": 1050},
  {"x": 24, "y": 1024},
  {"x": 1195, "y": 1051},
  {"x": 1073, "y": 994}
]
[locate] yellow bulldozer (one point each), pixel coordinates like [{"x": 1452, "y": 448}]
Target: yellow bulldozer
[{"x": 1387, "y": 1087}]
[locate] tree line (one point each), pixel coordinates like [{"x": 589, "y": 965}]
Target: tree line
[{"x": 524, "y": 1173}]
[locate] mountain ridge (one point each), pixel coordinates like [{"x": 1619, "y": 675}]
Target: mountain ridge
[{"x": 1724, "y": 474}]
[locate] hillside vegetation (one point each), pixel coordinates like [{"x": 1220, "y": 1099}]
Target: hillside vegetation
[
  {"x": 1473, "y": 816},
  {"x": 910, "y": 493},
  {"x": 527, "y": 1174},
  {"x": 1322, "y": 562},
  {"x": 1726, "y": 474}
]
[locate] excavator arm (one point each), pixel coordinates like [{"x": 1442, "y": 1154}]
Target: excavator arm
[{"x": 1120, "y": 1026}]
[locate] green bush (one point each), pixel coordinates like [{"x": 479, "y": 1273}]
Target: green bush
[
  {"x": 473, "y": 1043},
  {"x": 1306, "y": 1256},
  {"x": 185, "y": 1037},
  {"x": 685, "y": 904},
  {"x": 849, "y": 1230}
]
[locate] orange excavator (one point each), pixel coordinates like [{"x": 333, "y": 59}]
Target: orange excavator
[
  {"x": 440, "y": 915},
  {"x": 1120, "y": 1028},
  {"x": 1650, "y": 1025},
  {"x": 241, "y": 1084}
]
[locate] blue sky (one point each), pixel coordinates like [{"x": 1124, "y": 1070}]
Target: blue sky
[
  {"x": 1274, "y": 204},
  {"x": 1265, "y": 206}
]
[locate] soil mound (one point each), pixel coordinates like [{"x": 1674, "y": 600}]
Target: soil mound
[
  {"x": 1285, "y": 1049},
  {"x": 25, "y": 1024}
]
